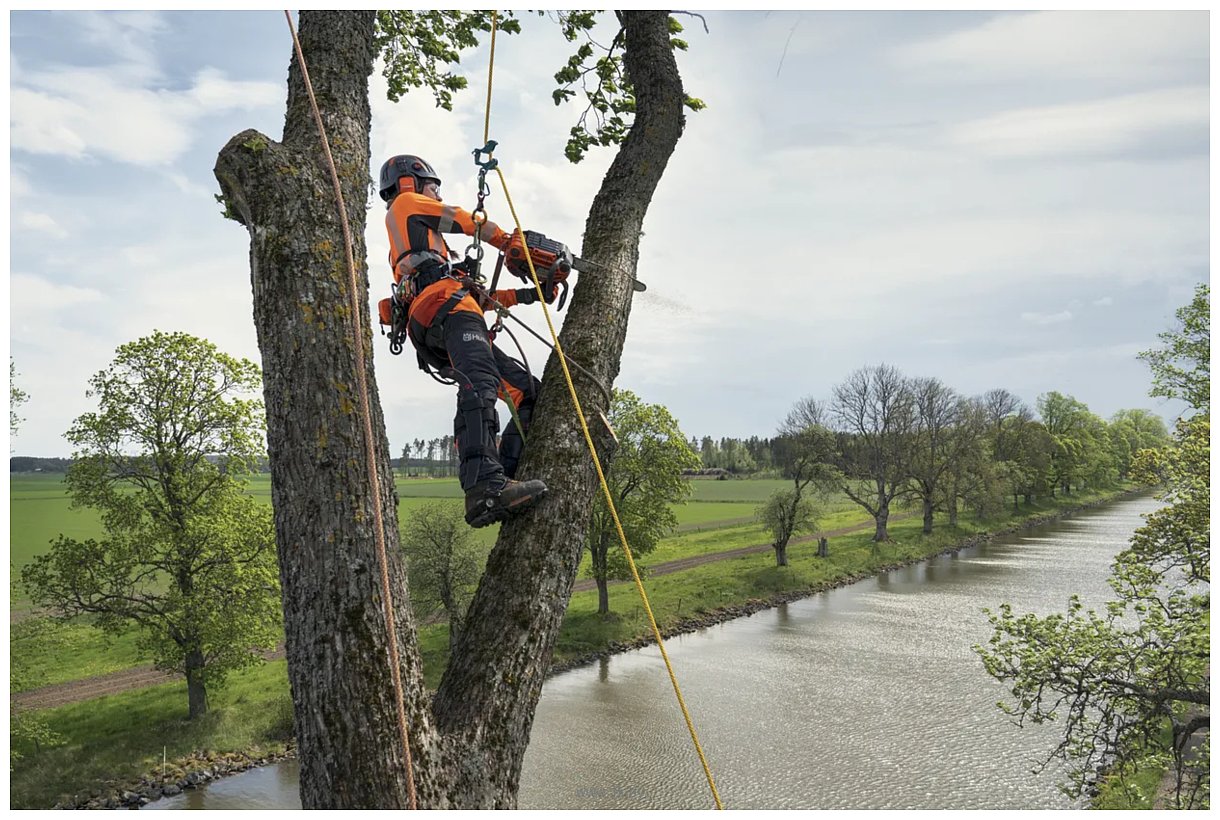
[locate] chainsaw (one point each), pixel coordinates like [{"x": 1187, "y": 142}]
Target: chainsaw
[{"x": 549, "y": 257}]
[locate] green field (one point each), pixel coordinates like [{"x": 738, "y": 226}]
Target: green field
[
  {"x": 39, "y": 511},
  {"x": 718, "y": 517}
]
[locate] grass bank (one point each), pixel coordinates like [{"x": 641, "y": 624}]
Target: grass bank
[{"x": 118, "y": 738}]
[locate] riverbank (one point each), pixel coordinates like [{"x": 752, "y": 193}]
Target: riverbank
[
  {"x": 116, "y": 743},
  {"x": 753, "y": 605}
]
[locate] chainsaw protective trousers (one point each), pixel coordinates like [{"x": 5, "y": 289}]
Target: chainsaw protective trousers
[{"x": 476, "y": 423}]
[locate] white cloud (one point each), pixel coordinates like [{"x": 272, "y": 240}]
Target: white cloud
[
  {"x": 1065, "y": 44},
  {"x": 40, "y": 309},
  {"x": 1047, "y": 318},
  {"x": 72, "y": 112},
  {"x": 18, "y": 184},
  {"x": 1104, "y": 301},
  {"x": 1110, "y": 126},
  {"x": 43, "y": 223},
  {"x": 126, "y": 34}
]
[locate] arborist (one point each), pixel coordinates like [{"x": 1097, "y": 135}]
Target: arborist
[{"x": 444, "y": 310}]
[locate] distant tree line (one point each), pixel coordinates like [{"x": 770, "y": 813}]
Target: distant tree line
[
  {"x": 894, "y": 439},
  {"x": 32, "y": 464},
  {"x": 1082, "y": 450},
  {"x": 434, "y": 457}
]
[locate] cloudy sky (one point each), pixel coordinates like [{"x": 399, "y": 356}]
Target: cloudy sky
[{"x": 1014, "y": 200}]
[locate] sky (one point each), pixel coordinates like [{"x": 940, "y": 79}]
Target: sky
[{"x": 1008, "y": 200}]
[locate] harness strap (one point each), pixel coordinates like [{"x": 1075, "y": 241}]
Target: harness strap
[
  {"x": 415, "y": 260},
  {"x": 419, "y": 334}
]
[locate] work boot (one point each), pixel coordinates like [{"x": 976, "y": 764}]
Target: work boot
[{"x": 497, "y": 498}]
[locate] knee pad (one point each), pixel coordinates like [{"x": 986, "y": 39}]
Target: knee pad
[{"x": 475, "y": 430}]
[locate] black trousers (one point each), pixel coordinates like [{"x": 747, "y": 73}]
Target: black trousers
[{"x": 487, "y": 373}]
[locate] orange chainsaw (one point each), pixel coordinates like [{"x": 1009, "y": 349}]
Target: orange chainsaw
[{"x": 550, "y": 258}]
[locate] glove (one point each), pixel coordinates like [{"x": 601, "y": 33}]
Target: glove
[{"x": 526, "y": 296}]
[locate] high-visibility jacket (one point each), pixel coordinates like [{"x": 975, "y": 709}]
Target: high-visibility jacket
[{"x": 416, "y": 225}]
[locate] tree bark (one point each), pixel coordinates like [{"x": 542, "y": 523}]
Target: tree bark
[
  {"x": 455, "y": 629},
  {"x": 823, "y": 548},
  {"x": 601, "y": 575},
  {"x": 468, "y": 742},
  {"x": 196, "y": 689},
  {"x": 336, "y": 634},
  {"x": 927, "y": 516},
  {"x": 781, "y": 554},
  {"x": 882, "y": 519}
]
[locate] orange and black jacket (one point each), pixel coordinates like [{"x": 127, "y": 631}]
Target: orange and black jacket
[{"x": 415, "y": 224}]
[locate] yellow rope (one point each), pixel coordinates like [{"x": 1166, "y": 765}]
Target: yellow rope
[
  {"x": 601, "y": 476},
  {"x": 491, "y": 62},
  {"x": 366, "y": 418}
]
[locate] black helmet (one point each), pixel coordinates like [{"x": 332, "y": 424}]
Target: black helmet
[{"x": 405, "y": 165}]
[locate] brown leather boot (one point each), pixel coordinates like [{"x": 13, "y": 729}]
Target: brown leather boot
[{"x": 497, "y": 498}]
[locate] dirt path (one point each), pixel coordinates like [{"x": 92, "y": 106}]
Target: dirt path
[
  {"x": 680, "y": 564},
  {"x": 139, "y": 677}
]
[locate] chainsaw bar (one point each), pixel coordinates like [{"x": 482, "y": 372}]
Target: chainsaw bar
[{"x": 582, "y": 264}]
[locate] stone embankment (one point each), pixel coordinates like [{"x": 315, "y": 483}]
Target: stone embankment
[{"x": 177, "y": 776}]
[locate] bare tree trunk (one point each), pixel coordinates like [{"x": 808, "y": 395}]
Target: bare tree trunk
[
  {"x": 468, "y": 742},
  {"x": 196, "y": 689},
  {"x": 335, "y": 631},
  {"x": 927, "y": 515},
  {"x": 600, "y": 574},
  {"x": 882, "y": 517},
  {"x": 781, "y": 553},
  {"x": 455, "y": 629},
  {"x": 823, "y": 548}
]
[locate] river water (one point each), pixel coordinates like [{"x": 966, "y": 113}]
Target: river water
[{"x": 865, "y": 697}]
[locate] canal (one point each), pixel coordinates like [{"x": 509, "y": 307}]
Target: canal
[{"x": 865, "y": 697}]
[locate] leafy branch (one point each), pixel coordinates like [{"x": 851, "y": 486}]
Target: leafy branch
[
  {"x": 419, "y": 47},
  {"x": 596, "y": 71}
]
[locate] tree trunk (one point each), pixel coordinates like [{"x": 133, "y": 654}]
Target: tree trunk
[
  {"x": 467, "y": 748},
  {"x": 781, "y": 553},
  {"x": 196, "y": 689},
  {"x": 927, "y": 516},
  {"x": 823, "y": 548},
  {"x": 600, "y": 574},
  {"x": 455, "y": 629},
  {"x": 883, "y": 519},
  {"x": 953, "y": 511},
  {"x": 335, "y": 631}
]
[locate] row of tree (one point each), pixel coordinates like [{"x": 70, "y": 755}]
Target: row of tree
[
  {"x": 885, "y": 438},
  {"x": 434, "y": 457}
]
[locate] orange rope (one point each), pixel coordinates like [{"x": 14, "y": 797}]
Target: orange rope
[{"x": 366, "y": 418}]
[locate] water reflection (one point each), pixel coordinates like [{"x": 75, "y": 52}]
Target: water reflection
[{"x": 864, "y": 697}]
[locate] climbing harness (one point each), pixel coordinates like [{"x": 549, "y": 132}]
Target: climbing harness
[{"x": 366, "y": 417}]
